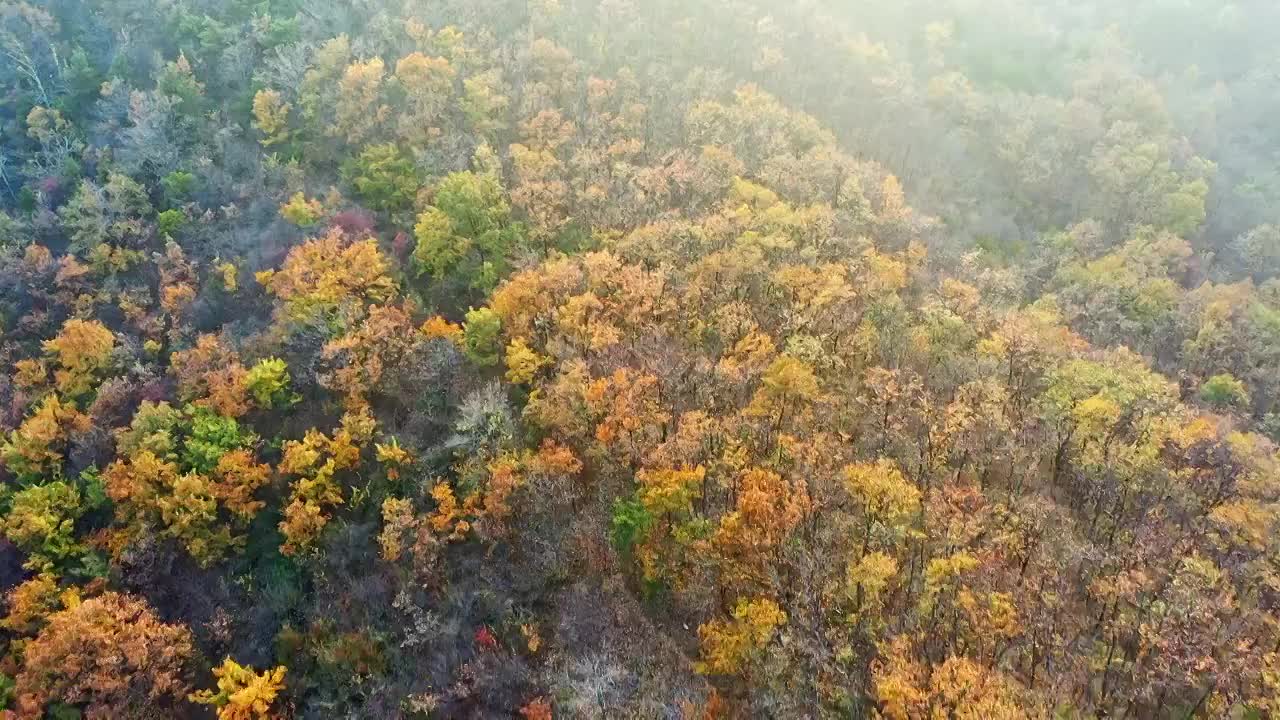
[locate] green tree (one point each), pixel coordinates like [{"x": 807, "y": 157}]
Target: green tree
[
  {"x": 467, "y": 231},
  {"x": 268, "y": 383},
  {"x": 210, "y": 437},
  {"x": 1223, "y": 391},
  {"x": 383, "y": 178},
  {"x": 114, "y": 213},
  {"x": 482, "y": 336},
  {"x": 41, "y": 522}
]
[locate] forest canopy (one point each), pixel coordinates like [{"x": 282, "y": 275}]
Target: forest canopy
[{"x": 694, "y": 359}]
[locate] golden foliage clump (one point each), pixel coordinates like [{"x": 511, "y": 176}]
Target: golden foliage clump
[
  {"x": 243, "y": 694},
  {"x": 302, "y": 212},
  {"x": 437, "y": 327},
  {"x": 82, "y": 349},
  {"x": 32, "y": 602},
  {"x": 37, "y": 445},
  {"x": 316, "y": 460},
  {"x": 523, "y": 363},
  {"x": 907, "y": 689},
  {"x": 271, "y": 117},
  {"x": 328, "y": 275},
  {"x": 727, "y": 645},
  {"x": 768, "y": 508}
]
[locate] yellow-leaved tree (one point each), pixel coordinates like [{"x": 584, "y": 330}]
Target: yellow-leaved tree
[
  {"x": 243, "y": 694},
  {"x": 728, "y": 645}
]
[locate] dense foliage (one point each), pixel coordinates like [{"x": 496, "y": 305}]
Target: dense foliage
[{"x": 639, "y": 358}]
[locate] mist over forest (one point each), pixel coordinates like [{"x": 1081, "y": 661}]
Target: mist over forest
[{"x": 613, "y": 359}]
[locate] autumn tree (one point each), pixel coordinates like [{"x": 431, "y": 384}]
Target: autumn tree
[
  {"x": 359, "y": 108},
  {"x": 315, "y": 461},
  {"x": 82, "y": 351},
  {"x": 428, "y": 85},
  {"x": 271, "y": 117},
  {"x": 728, "y": 645},
  {"x": 190, "y": 475},
  {"x": 110, "y": 655},
  {"x": 211, "y": 375},
  {"x": 38, "y": 445},
  {"x": 329, "y": 279}
]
